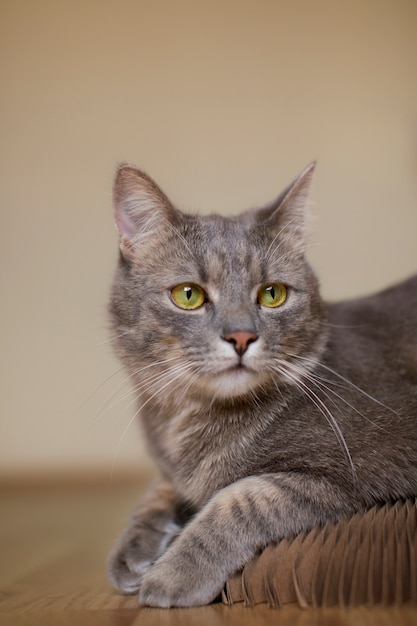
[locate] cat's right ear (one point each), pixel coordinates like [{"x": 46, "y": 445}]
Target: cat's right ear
[{"x": 141, "y": 209}]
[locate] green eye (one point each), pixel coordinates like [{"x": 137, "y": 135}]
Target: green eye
[
  {"x": 272, "y": 295},
  {"x": 188, "y": 296}
]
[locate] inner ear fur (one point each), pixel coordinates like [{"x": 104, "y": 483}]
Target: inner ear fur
[
  {"x": 141, "y": 209},
  {"x": 287, "y": 214}
]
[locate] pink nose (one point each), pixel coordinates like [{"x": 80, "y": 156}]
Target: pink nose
[{"x": 241, "y": 340}]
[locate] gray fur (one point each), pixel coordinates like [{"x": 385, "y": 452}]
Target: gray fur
[{"x": 317, "y": 419}]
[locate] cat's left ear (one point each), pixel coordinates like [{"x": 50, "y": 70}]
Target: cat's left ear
[{"x": 287, "y": 214}]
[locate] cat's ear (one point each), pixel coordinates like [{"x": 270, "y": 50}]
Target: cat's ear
[
  {"x": 287, "y": 214},
  {"x": 141, "y": 209}
]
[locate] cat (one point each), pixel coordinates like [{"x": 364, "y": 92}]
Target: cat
[{"x": 267, "y": 410}]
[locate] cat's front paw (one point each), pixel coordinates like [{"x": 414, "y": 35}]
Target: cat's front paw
[
  {"x": 135, "y": 552},
  {"x": 126, "y": 570},
  {"x": 170, "y": 582}
]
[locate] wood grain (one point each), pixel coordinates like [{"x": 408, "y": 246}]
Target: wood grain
[{"x": 53, "y": 549}]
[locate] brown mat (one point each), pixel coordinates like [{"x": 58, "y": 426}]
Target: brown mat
[{"x": 370, "y": 558}]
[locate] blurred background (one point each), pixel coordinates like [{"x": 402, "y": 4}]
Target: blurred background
[{"x": 223, "y": 103}]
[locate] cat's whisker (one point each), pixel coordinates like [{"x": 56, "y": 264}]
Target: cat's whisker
[
  {"x": 279, "y": 390},
  {"x": 154, "y": 380},
  {"x": 315, "y": 362},
  {"x": 278, "y": 236},
  {"x": 117, "y": 397},
  {"x": 280, "y": 252},
  {"x": 160, "y": 362},
  {"x": 179, "y": 235},
  {"x": 181, "y": 399},
  {"x": 321, "y": 406},
  {"x": 105, "y": 382},
  {"x": 109, "y": 404},
  {"x": 318, "y": 382},
  {"x": 213, "y": 401},
  {"x": 296, "y": 250},
  {"x": 271, "y": 251},
  {"x": 255, "y": 399},
  {"x": 110, "y": 340},
  {"x": 137, "y": 412},
  {"x": 329, "y": 325}
]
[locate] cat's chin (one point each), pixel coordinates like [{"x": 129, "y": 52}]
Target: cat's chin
[{"x": 234, "y": 382}]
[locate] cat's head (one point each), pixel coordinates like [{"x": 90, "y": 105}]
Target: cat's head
[{"x": 213, "y": 307}]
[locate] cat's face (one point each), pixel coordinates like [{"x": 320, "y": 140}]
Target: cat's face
[{"x": 209, "y": 306}]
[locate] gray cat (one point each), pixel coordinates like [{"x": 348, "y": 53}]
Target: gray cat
[{"x": 267, "y": 411}]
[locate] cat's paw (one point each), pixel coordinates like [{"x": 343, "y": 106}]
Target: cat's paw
[
  {"x": 137, "y": 549},
  {"x": 170, "y": 582},
  {"x": 125, "y": 569}
]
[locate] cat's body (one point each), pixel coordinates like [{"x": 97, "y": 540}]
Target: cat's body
[{"x": 267, "y": 414}]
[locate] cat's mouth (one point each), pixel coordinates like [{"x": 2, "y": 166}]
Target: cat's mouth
[
  {"x": 239, "y": 372},
  {"x": 240, "y": 367}
]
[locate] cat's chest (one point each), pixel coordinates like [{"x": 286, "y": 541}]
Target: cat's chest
[{"x": 203, "y": 452}]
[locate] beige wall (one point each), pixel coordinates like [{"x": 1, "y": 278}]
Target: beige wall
[{"x": 223, "y": 102}]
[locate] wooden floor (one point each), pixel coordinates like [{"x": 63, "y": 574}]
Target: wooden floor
[{"x": 53, "y": 548}]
